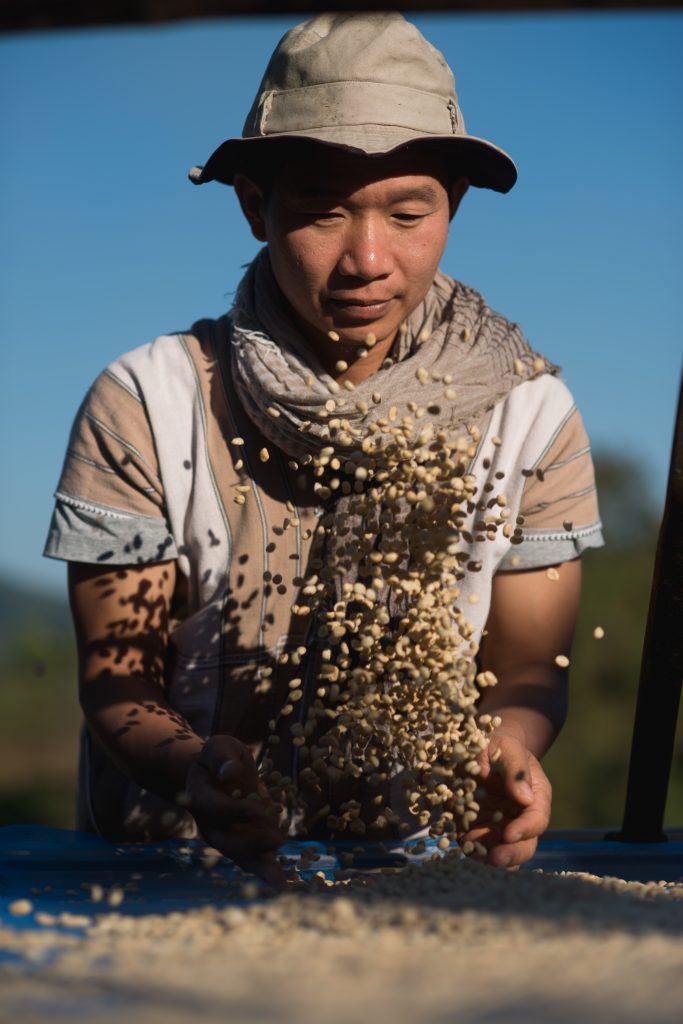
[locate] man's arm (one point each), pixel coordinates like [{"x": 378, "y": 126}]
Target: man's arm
[
  {"x": 121, "y": 620},
  {"x": 531, "y": 622}
]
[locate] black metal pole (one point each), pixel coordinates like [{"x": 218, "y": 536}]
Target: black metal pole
[
  {"x": 25, "y": 15},
  {"x": 661, "y": 671}
]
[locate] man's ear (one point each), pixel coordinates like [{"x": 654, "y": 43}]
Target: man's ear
[
  {"x": 250, "y": 196},
  {"x": 458, "y": 189}
]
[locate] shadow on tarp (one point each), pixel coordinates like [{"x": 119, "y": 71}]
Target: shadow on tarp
[{"x": 56, "y": 870}]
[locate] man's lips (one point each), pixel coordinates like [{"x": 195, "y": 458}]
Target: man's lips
[{"x": 361, "y": 309}]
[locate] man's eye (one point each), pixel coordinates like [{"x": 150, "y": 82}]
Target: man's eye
[
  {"x": 409, "y": 218},
  {"x": 318, "y": 214}
]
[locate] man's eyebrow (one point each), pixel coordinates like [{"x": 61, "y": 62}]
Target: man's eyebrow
[
  {"x": 319, "y": 192},
  {"x": 422, "y": 193},
  {"x": 312, "y": 191}
]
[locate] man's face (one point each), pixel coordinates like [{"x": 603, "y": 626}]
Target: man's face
[{"x": 354, "y": 241}]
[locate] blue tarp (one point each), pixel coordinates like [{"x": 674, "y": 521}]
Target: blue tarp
[{"x": 56, "y": 869}]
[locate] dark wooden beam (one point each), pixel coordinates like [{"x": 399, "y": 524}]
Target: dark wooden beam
[
  {"x": 25, "y": 15},
  {"x": 661, "y": 672}
]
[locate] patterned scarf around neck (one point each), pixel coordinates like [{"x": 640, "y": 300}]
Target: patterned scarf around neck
[{"x": 275, "y": 367}]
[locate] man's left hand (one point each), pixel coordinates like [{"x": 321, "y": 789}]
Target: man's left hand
[{"x": 515, "y": 810}]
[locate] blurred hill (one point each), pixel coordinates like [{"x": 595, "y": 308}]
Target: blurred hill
[
  {"x": 589, "y": 762},
  {"x": 39, "y": 712},
  {"x": 21, "y": 607},
  {"x": 40, "y": 716}
]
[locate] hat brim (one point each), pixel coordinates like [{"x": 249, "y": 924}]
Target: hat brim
[{"x": 482, "y": 163}]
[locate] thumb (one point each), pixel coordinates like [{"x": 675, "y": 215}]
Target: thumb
[
  {"x": 520, "y": 787},
  {"x": 509, "y": 758},
  {"x": 238, "y": 772},
  {"x": 229, "y": 763}
]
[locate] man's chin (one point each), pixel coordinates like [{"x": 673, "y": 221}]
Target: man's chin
[
  {"x": 349, "y": 335},
  {"x": 355, "y": 334}
]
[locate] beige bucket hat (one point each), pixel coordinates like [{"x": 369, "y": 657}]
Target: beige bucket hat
[{"x": 366, "y": 82}]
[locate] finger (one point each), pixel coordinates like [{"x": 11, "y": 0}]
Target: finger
[
  {"x": 489, "y": 835},
  {"x": 494, "y": 813},
  {"x": 245, "y": 844},
  {"x": 510, "y": 855},
  {"x": 238, "y": 772},
  {"x": 208, "y": 801},
  {"x": 532, "y": 822},
  {"x": 495, "y": 806},
  {"x": 504, "y": 821},
  {"x": 511, "y": 774},
  {"x": 267, "y": 867},
  {"x": 229, "y": 763},
  {"x": 481, "y": 845}
]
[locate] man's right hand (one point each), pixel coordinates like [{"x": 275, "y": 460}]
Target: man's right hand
[{"x": 232, "y": 809}]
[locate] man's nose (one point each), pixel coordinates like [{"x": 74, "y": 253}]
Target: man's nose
[{"x": 367, "y": 253}]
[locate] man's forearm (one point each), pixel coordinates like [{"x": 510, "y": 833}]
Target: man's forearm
[
  {"x": 149, "y": 741},
  {"x": 534, "y": 711},
  {"x": 531, "y": 621}
]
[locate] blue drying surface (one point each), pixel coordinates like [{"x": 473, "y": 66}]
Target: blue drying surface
[{"x": 55, "y": 869}]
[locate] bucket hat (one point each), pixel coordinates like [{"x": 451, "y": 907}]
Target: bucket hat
[{"x": 366, "y": 82}]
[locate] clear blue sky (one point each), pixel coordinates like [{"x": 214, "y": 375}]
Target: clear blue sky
[{"x": 106, "y": 243}]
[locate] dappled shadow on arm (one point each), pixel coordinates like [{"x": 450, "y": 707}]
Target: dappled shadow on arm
[{"x": 136, "y": 741}]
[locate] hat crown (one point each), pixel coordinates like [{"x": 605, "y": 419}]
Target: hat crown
[
  {"x": 354, "y": 49},
  {"x": 368, "y": 83}
]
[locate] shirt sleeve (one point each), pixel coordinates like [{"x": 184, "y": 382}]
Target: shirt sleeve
[
  {"x": 559, "y": 506},
  {"x": 109, "y": 503}
]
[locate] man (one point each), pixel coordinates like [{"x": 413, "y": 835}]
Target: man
[{"x": 185, "y": 510}]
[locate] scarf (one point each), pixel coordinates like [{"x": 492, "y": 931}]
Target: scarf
[{"x": 451, "y": 332}]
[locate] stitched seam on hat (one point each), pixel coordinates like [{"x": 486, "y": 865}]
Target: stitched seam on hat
[
  {"x": 379, "y": 128},
  {"x": 363, "y": 84},
  {"x": 266, "y": 104},
  {"x": 320, "y": 101}
]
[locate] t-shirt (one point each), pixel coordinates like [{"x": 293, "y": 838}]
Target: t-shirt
[{"x": 151, "y": 474}]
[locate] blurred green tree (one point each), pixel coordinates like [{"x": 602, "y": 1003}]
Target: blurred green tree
[{"x": 588, "y": 765}]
